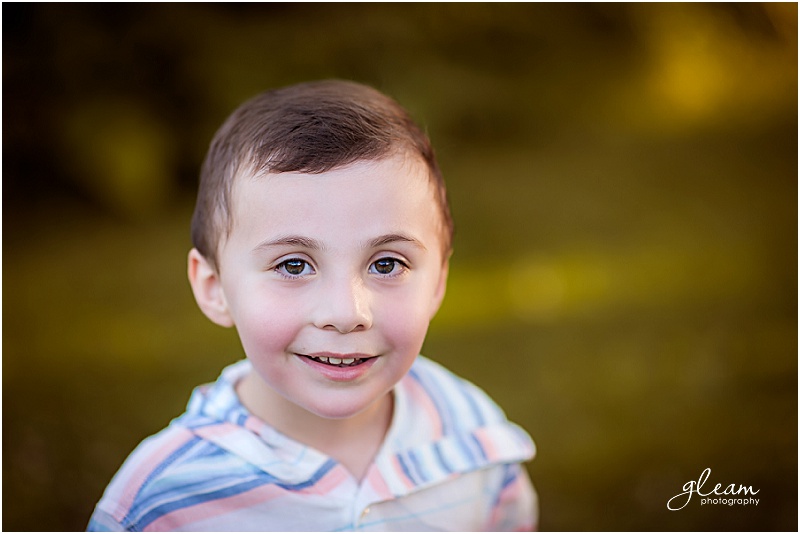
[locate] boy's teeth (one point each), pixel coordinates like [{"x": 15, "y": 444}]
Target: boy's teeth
[{"x": 336, "y": 361}]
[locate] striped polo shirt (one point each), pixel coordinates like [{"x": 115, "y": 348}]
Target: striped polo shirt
[{"x": 450, "y": 461}]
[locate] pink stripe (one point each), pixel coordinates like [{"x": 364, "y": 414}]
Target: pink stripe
[
  {"x": 378, "y": 483},
  {"x": 228, "y": 505},
  {"x": 421, "y": 397},
  {"x": 143, "y": 468},
  {"x": 509, "y": 495},
  {"x": 254, "y": 425},
  {"x": 484, "y": 437},
  {"x": 222, "y": 429},
  {"x": 328, "y": 483}
]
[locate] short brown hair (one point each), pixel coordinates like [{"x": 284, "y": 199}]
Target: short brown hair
[{"x": 311, "y": 128}]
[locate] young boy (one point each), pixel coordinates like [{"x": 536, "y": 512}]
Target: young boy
[{"x": 322, "y": 233}]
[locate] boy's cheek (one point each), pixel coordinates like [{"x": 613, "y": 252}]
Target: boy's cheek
[
  {"x": 404, "y": 328},
  {"x": 270, "y": 329}
]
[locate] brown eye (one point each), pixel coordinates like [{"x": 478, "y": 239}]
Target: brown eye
[
  {"x": 385, "y": 265},
  {"x": 294, "y": 267}
]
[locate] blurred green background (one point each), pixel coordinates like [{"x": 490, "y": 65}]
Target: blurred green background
[{"x": 624, "y": 183}]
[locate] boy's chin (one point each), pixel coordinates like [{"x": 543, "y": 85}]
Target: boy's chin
[{"x": 345, "y": 409}]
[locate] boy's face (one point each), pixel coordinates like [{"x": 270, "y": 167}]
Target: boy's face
[{"x": 345, "y": 265}]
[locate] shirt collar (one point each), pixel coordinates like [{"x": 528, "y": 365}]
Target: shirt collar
[{"x": 415, "y": 453}]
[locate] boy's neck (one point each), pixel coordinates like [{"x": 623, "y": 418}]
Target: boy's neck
[{"x": 353, "y": 442}]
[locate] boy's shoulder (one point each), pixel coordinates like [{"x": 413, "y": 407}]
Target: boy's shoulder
[
  {"x": 436, "y": 409},
  {"x": 146, "y": 479},
  {"x": 184, "y": 464}
]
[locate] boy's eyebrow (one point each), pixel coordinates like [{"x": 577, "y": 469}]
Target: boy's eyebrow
[
  {"x": 313, "y": 244},
  {"x": 393, "y": 238},
  {"x": 291, "y": 241}
]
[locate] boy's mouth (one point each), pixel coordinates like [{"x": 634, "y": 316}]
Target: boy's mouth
[{"x": 337, "y": 362}]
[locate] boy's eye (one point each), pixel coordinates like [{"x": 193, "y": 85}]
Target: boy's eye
[
  {"x": 294, "y": 267},
  {"x": 386, "y": 265}
]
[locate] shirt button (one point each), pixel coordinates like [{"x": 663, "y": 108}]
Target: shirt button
[{"x": 365, "y": 513}]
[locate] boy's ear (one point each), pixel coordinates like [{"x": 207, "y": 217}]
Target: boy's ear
[
  {"x": 207, "y": 289},
  {"x": 441, "y": 286}
]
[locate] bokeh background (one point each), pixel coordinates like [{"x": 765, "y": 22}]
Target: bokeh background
[{"x": 624, "y": 182}]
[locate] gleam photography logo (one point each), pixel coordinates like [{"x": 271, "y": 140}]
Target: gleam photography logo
[{"x": 728, "y": 495}]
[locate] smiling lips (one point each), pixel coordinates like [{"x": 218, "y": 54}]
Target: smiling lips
[
  {"x": 347, "y": 361},
  {"x": 343, "y": 368}
]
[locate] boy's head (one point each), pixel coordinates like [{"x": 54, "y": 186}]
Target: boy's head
[
  {"x": 309, "y": 128},
  {"x": 322, "y": 234}
]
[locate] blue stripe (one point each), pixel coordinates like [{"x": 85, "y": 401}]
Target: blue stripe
[
  {"x": 215, "y": 452},
  {"x": 404, "y": 467},
  {"x": 197, "y": 422},
  {"x": 462, "y": 444},
  {"x": 511, "y": 475},
  {"x": 423, "y": 475},
  {"x": 193, "y": 500},
  {"x": 439, "y": 456},
  {"x": 172, "y": 458},
  {"x": 321, "y": 472},
  {"x": 478, "y": 446}
]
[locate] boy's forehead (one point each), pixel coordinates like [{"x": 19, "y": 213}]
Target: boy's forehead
[
  {"x": 398, "y": 185},
  {"x": 366, "y": 180},
  {"x": 344, "y": 207}
]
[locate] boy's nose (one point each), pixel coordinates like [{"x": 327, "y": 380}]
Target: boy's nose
[{"x": 344, "y": 307}]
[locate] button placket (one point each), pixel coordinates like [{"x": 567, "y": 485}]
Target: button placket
[{"x": 362, "y": 516}]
